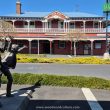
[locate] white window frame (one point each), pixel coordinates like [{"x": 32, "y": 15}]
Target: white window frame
[{"x": 32, "y": 26}]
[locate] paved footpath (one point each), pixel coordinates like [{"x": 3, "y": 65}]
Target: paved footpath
[
  {"x": 66, "y": 98},
  {"x": 55, "y": 98}
]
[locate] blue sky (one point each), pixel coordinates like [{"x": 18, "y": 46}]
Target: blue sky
[{"x": 89, "y": 6}]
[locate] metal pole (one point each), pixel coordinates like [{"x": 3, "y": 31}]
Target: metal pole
[
  {"x": 92, "y": 47},
  {"x": 38, "y": 46},
  {"x": 29, "y": 47},
  {"x": 50, "y": 47},
  {"x": 106, "y": 29},
  {"x": 106, "y": 54}
]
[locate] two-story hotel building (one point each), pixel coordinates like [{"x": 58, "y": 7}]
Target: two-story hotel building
[{"x": 43, "y": 32}]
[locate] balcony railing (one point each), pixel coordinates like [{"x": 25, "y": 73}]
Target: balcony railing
[{"x": 58, "y": 30}]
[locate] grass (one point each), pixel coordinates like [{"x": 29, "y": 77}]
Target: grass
[{"x": 57, "y": 80}]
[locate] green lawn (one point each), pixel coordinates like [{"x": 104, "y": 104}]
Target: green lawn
[{"x": 64, "y": 81}]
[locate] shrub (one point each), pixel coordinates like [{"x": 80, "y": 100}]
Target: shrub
[{"x": 77, "y": 60}]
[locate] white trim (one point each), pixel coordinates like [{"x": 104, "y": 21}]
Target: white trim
[
  {"x": 92, "y": 101},
  {"x": 100, "y": 24},
  {"x": 54, "y": 15}
]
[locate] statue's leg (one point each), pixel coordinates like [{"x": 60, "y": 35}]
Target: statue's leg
[
  {"x": 0, "y": 86},
  {"x": 0, "y": 105},
  {"x": 9, "y": 84},
  {"x": 7, "y": 73}
]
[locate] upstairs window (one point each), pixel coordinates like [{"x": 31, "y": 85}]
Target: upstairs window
[
  {"x": 49, "y": 24},
  {"x": 81, "y": 25},
  {"x": 95, "y": 24},
  {"x": 25, "y": 25},
  {"x": 72, "y": 25},
  {"x": 32, "y": 24},
  {"x": 61, "y": 25}
]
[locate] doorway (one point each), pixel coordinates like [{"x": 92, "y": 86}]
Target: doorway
[
  {"x": 86, "y": 49},
  {"x": 46, "y": 47}
]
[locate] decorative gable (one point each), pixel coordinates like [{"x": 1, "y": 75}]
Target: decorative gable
[{"x": 56, "y": 15}]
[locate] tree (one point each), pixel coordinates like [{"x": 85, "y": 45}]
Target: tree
[
  {"x": 6, "y": 29},
  {"x": 74, "y": 35}
]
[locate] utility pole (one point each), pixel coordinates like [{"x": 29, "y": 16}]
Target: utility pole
[
  {"x": 106, "y": 11},
  {"x": 107, "y": 28}
]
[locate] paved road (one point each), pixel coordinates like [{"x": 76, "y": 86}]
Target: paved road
[
  {"x": 66, "y": 98},
  {"x": 102, "y": 71}
]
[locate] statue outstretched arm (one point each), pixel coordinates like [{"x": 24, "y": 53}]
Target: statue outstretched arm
[{"x": 22, "y": 48}]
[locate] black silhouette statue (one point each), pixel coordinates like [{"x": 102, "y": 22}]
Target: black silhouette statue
[
  {"x": 8, "y": 61},
  {"x": 0, "y": 78}
]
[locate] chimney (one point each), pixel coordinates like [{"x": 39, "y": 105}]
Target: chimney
[{"x": 18, "y": 7}]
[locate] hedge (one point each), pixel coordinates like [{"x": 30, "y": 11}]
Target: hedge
[{"x": 87, "y": 60}]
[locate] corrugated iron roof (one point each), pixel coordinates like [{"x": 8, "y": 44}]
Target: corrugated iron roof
[{"x": 43, "y": 14}]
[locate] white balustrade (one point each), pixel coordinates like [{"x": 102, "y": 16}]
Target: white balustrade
[{"x": 57, "y": 30}]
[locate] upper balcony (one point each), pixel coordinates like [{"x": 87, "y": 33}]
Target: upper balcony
[{"x": 60, "y": 30}]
